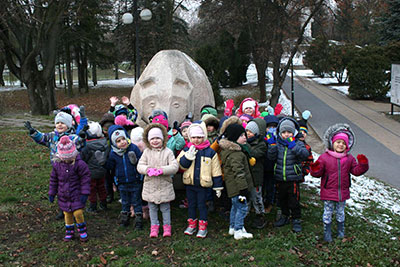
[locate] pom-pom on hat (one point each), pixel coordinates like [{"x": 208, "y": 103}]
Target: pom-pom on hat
[
  {"x": 253, "y": 127},
  {"x": 341, "y": 136},
  {"x": 233, "y": 132},
  {"x": 64, "y": 118},
  {"x": 122, "y": 120},
  {"x": 117, "y": 134},
  {"x": 66, "y": 149},
  {"x": 155, "y": 132},
  {"x": 95, "y": 129}
]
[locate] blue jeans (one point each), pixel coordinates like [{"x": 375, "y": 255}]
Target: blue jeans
[
  {"x": 329, "y": 208},
  {"x": 197, "y": 196},
  {"x": 238, "y": 213},
  {"x": 131, "y": 194}
]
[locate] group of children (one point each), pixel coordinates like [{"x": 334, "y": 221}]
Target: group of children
[{"x": 250, "y": 159}]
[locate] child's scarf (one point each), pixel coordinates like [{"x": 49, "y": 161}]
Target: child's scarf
[
  {"x": 119, "y": 151},
  {"x": 336, "y": 154},
  {"x": 201, "y": 146}
]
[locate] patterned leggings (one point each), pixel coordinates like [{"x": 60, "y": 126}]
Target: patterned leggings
[{"x": 329, "y": 207}]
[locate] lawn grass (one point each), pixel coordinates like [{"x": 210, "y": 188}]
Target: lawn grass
[{"x": 31, "y": 236}]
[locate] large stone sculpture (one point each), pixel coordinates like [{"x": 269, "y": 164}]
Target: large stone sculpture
[{"x": 175, "y": 83}]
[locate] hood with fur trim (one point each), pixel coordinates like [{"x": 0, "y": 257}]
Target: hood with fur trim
[
  {"x": 229, "y": 121},
  {"x": 151, "y": 126},
  {"x": 210, "y": 119},
  {"x": 338, "y": 128},
  {"x": 229, "y": 145}
]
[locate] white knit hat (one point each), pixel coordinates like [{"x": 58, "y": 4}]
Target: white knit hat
[
  {"x": 64, "y": 118},
  {"x": 249, "y": 104},
  {"x": 95, "y": 129}
]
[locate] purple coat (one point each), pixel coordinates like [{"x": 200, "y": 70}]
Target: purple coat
[
  {"x": 335, "y": 173},
  {"x": 69, "y": 182}
]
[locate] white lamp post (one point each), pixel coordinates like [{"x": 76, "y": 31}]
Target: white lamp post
[{"x": 128, "y": 18}]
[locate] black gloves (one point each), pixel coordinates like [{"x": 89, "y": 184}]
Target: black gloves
[
  {"x": 28, "y": 126},
  {"x": 176, "y": 126},
  {"x": 82, "y": 133}
]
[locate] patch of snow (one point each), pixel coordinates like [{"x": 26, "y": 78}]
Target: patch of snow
[
  {"x": 327, "y": 80},
  {"x": 343, "y": 88}
]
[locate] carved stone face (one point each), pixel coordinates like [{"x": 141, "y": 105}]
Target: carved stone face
[{"x": 174, "y": 83}]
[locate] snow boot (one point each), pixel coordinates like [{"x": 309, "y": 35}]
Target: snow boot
[
  {"x": 340, "y": 229},
  {"x": 167, "y": 230},
  {"x": 327, "y": 232},
  {"x": 92, "y": 207},
  {"x": 296, "y": 225},
  {"x": 154, "y": 230},
  {"x": 69, "y": 233},
  {"x": 103, "y": 205},
  {"x": 242, "y": 233},
  {"x": 139, "y": 222},
  {"x": 82, "y": 231},
  {"x": 283, "y": 220},
  {"x": 259, "y": 222},
  {"x": 192, "y": 225},
  {"x": 60, "y": 215},
  {"x": 202, "y": 233},
  {"x": 124, "y": 218}
]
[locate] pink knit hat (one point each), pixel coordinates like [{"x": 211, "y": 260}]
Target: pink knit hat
[
  {"x": 341, "y": 136},
  {"x": 196, "y": 131},
  {"x": 161, "y": 119},
  {"x": 155, "y": 132},
  {"x": 185, "y": 124},
  {"x": 66, "y": 149}
]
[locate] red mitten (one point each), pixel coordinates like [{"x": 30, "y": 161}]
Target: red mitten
[
  {"x": 362, "y": 159},
  {"x": 229, "y": 104},
  {"x": 315, "y": 166},
  {"x": 278, "y": 109}
]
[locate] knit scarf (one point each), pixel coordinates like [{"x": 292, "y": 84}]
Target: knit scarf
[
  {"x": 201, "y": 146},
  {"x": 336, "y": 154},
  {"x": 246, "y": 149},
  {"x": 119, "y": 151}
]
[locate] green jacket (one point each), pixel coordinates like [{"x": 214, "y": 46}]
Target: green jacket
[
  {"x": 235, "y": 165},
  {"x": 258, "y": 151}
]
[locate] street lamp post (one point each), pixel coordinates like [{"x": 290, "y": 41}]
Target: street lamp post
[{"x": 128, "y": 18}]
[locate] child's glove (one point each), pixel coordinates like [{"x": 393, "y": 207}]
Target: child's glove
[
  {"x": 84, "y": 198},
  {"x": 191, "y": 153},
  {"x": 175, "y": 128},
  {"x": 290, "y": 142},
  {"x": 82, "y": 133},
  {"x": 82, "y": 111},
  {"x": 270, "y": 138},
  {"x": 159, "y": 171},
  {"x": 151, "y": 172},
  {"x": 362, "y": 159},
  {"x": 132, "y": 157},
  {"x": 100, "y": 157},
  {"x": 51, "y": 198},
  {"x": 113, "y": 100},
  {"x": 229, "y": 104},
  {"x": 315, "y": 166},
  {"x": 218, "y": 191},
  {"x": 28, "y": 126}
]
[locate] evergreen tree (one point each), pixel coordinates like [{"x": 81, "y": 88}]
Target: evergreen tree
[{"x": 391, "y": 22}]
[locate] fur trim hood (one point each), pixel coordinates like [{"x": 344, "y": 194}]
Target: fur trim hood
[
  {"x": 229, "y": 121},
  {"x": 151, "y": 126},
  {"x": 339, "y": 128},
  {"x": 210, "y": 119},
  {"x": 229, "y": 145}
]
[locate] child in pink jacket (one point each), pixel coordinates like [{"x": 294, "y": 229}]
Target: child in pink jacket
[{"x": 334, "y": 167}]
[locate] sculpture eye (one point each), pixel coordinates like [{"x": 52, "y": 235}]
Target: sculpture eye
[
  {"x": 176, "y": 104},
  {"x": 152, "y": 104},
  {"x": 147, "y": 83}
]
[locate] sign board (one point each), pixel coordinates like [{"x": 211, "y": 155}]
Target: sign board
[{"x": 395, "y": 85}]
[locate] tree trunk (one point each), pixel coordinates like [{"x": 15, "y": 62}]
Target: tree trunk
[
  {"x": 85, "y": 70},
  {"x": 59, "y": 73},
  {"x": 261, "y": 66},
  {"x": 2, "y": 64},
  {"x": 69, "y": 71},
  {"x": 78, "y": 58},
  {"x": 94, "y": 73},
  {"x": 276, "y": 89},
  {"x": 116, "y": 70}
]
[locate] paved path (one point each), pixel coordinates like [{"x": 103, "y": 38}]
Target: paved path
[{"x": 377, "y": 136}]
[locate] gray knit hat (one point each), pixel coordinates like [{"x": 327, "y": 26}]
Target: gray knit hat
[
  {"x": 253, "y": 127},
  {"x": 117, "y": 134},
  {"x": 287, "y": 125},
  {"x": 64, "y": 118}
]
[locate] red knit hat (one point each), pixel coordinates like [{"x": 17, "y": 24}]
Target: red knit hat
[
  {"x": 341, "y": 136},
  {"x": 66, "y": 149}
]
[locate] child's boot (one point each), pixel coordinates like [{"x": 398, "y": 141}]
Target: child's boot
[
  {"x": 259, "y": 221},
  {"x": 103, "y": 205},
  {"x": 283, "y": 220},
  {"x": 242, "y": 233},
  {"x": 340, "y": 229},
  {"x": 60, "y": 215},
  {"x": 327, "y": 232},
  {"x": 202, "y": 233},
  {"x": 139, "y": 222},
  {"x": 154, "y": 230},
  {"x": 69, "y": 233},
  {"x": 92, "y": 207},
  {"x": 82, "y": 231},
  {"x": 192, "y": 225},
  {"x": 124, "y": 216},
  {"x": 296, "y": 225},
  {"x": 167, "y": 230}
]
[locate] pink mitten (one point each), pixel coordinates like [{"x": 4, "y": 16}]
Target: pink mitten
[
  {"x": 152, "y": 172},
  {"x": 159, "y": 172}
]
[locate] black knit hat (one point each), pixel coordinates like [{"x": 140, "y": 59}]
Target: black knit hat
[{"x": 233, "y": 132}]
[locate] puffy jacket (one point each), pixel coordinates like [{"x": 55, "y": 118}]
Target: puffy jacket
[
  {"x": 97, "y": 171},
  {"x": 288, "y": 161},
  {"x": 69, "y": 182},
  {"x": 258, "y": 151},
  {"x": 237, "y": 175},
  {"x": 157, "y": 189}
]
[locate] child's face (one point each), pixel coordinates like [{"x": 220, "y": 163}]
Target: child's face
[
  {"x": 248, "y": 111},
  {"x": 185, "y": 133},
  {"x": 271, "y": 126},
  {"x": 242, "y": 139},
  {"x": 210, "y": 128},
  {"x": 156, "y": 142},
  {"x": 304, "y": 135},
  {"x": 121, "y": 142},
  {"x": 250, "y": 134},
  {"x": 339, "y": 146},
  {"x": 61, "y": 127},
  {"x": 286, "y": 135},
  {"x": 197, "y": 140}
]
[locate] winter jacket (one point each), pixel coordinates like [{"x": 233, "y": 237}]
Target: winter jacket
[
  {"x": 125, "y": 171},
  {"x": 237, "y": 175},
  {"x": 258, "y": 151},
  {"x": 335, "y": 172},
  {"x": 51, "y": 139},
  {"x": 175, "y": 142},
  {"x": 239, "y": 111},
  {"x": 97, "y": 171},
  {"x": 288, "y": 161},
  {"x": 157, "y": 189},
  {"x": 204, "y": 170},
  {"x": 69, "y": 182}
]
